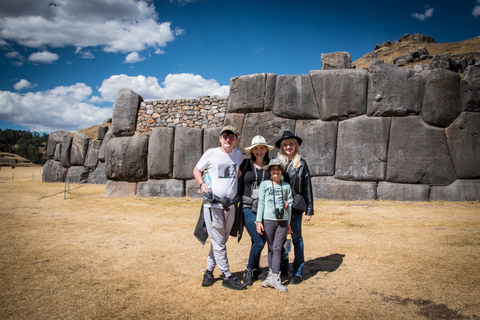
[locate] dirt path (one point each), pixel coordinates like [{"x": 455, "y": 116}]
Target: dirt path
[{"x": 93, "y": 257}]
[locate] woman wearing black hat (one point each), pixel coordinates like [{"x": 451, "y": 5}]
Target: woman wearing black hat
[{"x": 298, "y": 176}]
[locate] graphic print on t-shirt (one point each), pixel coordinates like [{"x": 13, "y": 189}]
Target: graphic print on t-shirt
[{"x": 226, "y": 171}]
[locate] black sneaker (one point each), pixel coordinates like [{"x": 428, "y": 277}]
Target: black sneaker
[
  {"x": 207, "y": 279},
  {"x": 232, "y": 282},
  {"x": 296, "y": 280},
  {"x": 248, "y": 277}
]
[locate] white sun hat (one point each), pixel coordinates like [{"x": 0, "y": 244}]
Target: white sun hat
[{"x": 258, "y": 140}]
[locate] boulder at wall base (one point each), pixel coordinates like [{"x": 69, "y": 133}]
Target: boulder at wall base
[
  {"x": 266, "y": 125},
  {"x": 54, "y": 172},
  {"x": 393, "y": 91},
  {"x": 330, "y": 188},
  {"x": 470, "y": 89},
  {"x": 295, "y": 98},
  {"x": 77, "y": 174},
  {"x": 54, "y": 138},
  {"x": 66, "y": 149},
  {"x": 418, "y": 153},
  {"x": 362, "y": 148},
  {"x": 192, "y": 188},
  {"x": 211, "y": 138},
  {"x": 247, "y": 93},
  {"x": 79, "y": 149},
  {"x": 160, "y": 153},
  {"x": 441, "y": 102},
  {"x": 402, "y": 191},
  {"x": 126, "y": 159},
  {"x": 160, "y": 188},
  {"x": 460, "y": 190},
  {"x": 103, "y": 147},
  {"x": 187, "y": 151},
  {"x": 120, "y": 189},
  {"x": 464, "y": 144},
  {"x": 340, "y": 94},
  {"x": 318, "y": 147},
  {"x": 125, "y": 110},
  {"x": 98, "y": 175},
  {"x": 91, "y": 159}
]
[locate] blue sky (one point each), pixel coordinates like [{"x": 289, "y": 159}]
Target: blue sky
[{"x": 63, "y": 61}]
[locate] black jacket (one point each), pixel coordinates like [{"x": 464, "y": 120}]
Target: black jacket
[{"x": 299, "y": 180}]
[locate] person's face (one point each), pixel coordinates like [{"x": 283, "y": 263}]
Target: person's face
[
  {"x": 275, "y": 171},
  {"x": 228, "y": 140},
  {"x": 259, "y": 151},
  {"x": 289, "y": 146}
]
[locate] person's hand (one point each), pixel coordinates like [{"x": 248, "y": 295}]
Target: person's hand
[
  {"x": 260, "y": 228},
  {"x": 307, "y": 218},
  {"x": 285, "y": 206},
  {"x": 204, "y": 188},
  {"x": 289, "y": 230}
]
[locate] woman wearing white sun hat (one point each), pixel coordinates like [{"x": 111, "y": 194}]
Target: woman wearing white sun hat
[{"x": 252, "y": 176}]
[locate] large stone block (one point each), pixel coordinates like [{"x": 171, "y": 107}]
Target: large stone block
[
  {"x": 98, "y": 176},
  {"x": 57, "y": 156},
  {"x": 393, "y": 91},
  {"x": 336, "y": 60},
  {"x": 330, "y": 188},
  {"x": 362, "y": 148},
  {"x": 120, "y": 189},
  {"x": 441, "y": 102},
  {"x": 270, "y": 91},
  {"x": 191, "y": 189},
  {"x": 160, "y": 153},
  {"x": 319, "y": 145},
  {"x": 188, "y": 150},
  {"x": 101, "y": 131},
  {"x": 125, "y": 110},
  {"x": 103, "y": 147},
  {"x": 340, "y": 94},
  {"x": 402, "y": 191},
  {"x": 418, "y": 153},
  {"x": 79, "y": 149},
  {"x": 66, "y": 149},
  {"x": 247, "y": 93},
  {"x": 77, "y": 174},
  {"x": 126, "y": 159},
  {"x": 54, "y": 138},
  {"x": 266, "y": 125},
  {"x": 161, "y": 188},
  {"x": 211, "y": 138},
  {"x": 54, "y": 172},
  {"x": 470, "y": 89},
  {"x": 91, "y": 159},
  {"x": 295, "y": 98},
  {"x": 463, "y": 137},
  {"x": 460, "y": 190}
]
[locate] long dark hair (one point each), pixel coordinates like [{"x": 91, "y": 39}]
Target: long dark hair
[{"x": 266, "y": 158}]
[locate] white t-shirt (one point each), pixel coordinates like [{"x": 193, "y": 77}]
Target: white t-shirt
[{"x": 223, "y": 168}]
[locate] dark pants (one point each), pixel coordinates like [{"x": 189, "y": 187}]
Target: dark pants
[
  {"x": 258, "y": 241},
  {"x": 275, "y": 232},
  {"x": 297, "y": 240}
]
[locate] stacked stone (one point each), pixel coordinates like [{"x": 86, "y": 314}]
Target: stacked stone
[{"x": 200, "y": 113}]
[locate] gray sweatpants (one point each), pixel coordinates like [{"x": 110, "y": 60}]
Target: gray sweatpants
[
  {"x": 219, "y": 224},
  {"x": 275, "y": 233}
]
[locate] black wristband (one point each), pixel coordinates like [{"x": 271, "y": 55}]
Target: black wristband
[{"x": 201, "y": 184}]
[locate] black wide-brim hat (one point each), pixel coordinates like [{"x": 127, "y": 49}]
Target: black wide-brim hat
[{"x": 287, "y": 134}]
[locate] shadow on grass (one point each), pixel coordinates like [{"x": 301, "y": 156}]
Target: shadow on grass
[{"x": 322, "y": 264}]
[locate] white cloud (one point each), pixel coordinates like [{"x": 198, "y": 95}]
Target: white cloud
[
  {"x": 476, "y": 10},
  {"x": 43, "y": 57},
  {"x": 133, "y": 57},
  {"x": 181, "y": 3},
  {"x": 22, "y": 84},
  {"x": 84, "y": 54},
  {"x": 115, "y": 25},
  {"x": 62, "y": 108},
  {"x": 422, "y": 16},
  {"x": 175, "y": 86}
]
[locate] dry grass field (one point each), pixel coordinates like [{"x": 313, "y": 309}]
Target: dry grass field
[{"x": 86, "y": 256}]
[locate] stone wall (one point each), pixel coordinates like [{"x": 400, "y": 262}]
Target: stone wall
[{"x": 385, "y": 133}]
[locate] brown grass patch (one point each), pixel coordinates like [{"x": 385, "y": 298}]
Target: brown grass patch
[{"x": 93, "y": 257}]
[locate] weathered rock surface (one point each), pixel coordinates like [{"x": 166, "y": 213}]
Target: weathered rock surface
[
  {"x": 336, "y": 60},
  {"x": 295, "y": 98},
  {"x": 211, "y": 138},
  {"x": 247, "y": 93},
  {"x": 126, "y": 159},
  {"x": 66, "y": 149},
  {"x": 187, "y": 152},
  {"x": 77, "y": 174},
  {"x": 160, "y": 153},
  {"x": 120, "y": 189},
  {"x": 98, "y": 176},
  {"x": 460, "y": 190},
  {"x": 79, "y": 149},
  {"x": 54, "y": 172},
  {"x": 402, "y": 191},
  {"x": 191, "y": 189},
  {"x": 101, "y": 131},
  {"x": 340, "y": 94},
  {"x": 125, "y": 112},
  {"x": 91, "y": 159},
  {"x": 54, "y": 138},
  {"x": 470, "y": 89},
  {"x": 103, "y": 147},
  {"x": 330, "y": 188},
  {"x": 160, "y": 188}
]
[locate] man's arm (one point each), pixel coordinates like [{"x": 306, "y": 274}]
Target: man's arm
[{"x": 198, "y": 176}]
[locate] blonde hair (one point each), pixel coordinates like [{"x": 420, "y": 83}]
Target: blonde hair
[{"x": 296, "y": 158}]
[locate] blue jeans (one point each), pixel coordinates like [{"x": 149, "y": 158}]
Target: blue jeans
[
  {"x": 258, "y": 241},
  {"x": 297, "y": 240}
]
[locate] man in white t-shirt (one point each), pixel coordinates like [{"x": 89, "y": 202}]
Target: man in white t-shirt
[{"x": 223, "y": 165}]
